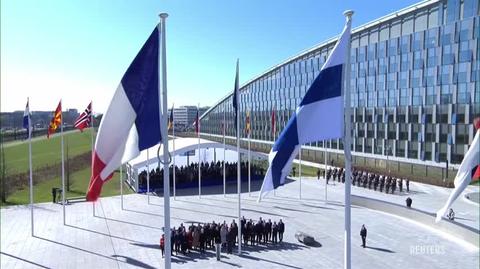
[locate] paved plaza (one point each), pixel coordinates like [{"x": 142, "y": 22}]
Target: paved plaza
[{"x": 128, "y": 238}]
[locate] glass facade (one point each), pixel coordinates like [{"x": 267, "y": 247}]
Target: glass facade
[{"x": 415, "y": 80}]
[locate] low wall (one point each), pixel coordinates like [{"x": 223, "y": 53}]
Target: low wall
[{"x": 459, "y": 230}]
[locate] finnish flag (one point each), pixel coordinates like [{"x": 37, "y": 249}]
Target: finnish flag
[{"x": 319, "y": 116}]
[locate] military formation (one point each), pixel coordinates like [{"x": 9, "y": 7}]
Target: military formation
[{"x": 369, "y": 180}]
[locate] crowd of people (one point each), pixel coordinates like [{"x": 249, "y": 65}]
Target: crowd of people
[
  {"x": 189, "y": 173},
  {"x": 201, "y": 237},
  {"x": 368, "y": 179}
]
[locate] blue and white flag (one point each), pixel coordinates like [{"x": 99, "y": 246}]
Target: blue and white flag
[
  {"x": 27, "y": 121},
  {"x": 318, "y": 117}
]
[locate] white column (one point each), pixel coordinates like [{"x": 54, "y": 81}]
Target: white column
[
  {"x": 92, "y": 134},
  {"x": 224, "y": 175},
  {"x": 239, "y": 183},
  {"x": 30, "y": 165},
  {"x": 63, "y": 172},
  {"x": 121, "y": 185},
  {"x": 249, "y": 161},
  {"x": 347, "y": 141},
  {"x": 173, "y": 150},
  {"x": 325, "y": 174},
  {"x": 164, "y": 131},
  {"x": 148, "y": 178},
  {"x": 199, "y": 159},
  {"x": 300, "y": 172}
]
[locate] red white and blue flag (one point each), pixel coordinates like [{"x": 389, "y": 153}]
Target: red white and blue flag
[
  {"x": 83, "y": 121},
  {"x": 131, "y": 122}
]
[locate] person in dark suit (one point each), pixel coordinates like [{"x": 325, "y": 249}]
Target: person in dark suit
[
  {"x": 363, "y": 234},
  {"x": 281, "y": 230},
  {"x": 274, "y": 232},
  {"x": 408, "y": 201},
  {"x": 318, "y": 174},
  {"x": 407, "y": 183}
]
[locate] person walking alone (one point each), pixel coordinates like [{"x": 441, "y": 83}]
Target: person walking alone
[{"x": 363, "y": 234}]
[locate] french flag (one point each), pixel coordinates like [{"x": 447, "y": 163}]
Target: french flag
[
  {"x": 318, "y": 117},
  {"x": 131, "y": 122}
]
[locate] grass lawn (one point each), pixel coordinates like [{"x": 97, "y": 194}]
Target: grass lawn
[
  {"x": 80, "y": 180},
  {"x": 45, "y": 151}
]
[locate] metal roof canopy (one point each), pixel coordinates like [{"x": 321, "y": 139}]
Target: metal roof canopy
[{"x": 183, "y": 145}]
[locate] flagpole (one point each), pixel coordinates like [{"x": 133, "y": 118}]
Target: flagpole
[
  {"x": 239, "y": 184},
  {"x": 148, "y": 178},
  {"x": 224, "y": 175},
  {"x": 199, "y": 168},
  {"x": 166, "y": 171},
  {"x": 121, "y": 186},
  {"x": 92, "y": 142},
  {"x": 347, "y": 143},
  {"x": 173, "y": 150},
  {"x": 30, "y": 164},
  {"x": 63, "y": 167},
  {"x": 300, "y": 172},
  {"x": 249, "y": 158},
  {"x": 325, "y": 174},
  {"x": 274, "y": 127}
]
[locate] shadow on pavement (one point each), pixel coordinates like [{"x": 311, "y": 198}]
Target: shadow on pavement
[
  {"x": 23, "y": 260},
  {"x": 134, "y": 262},
  {"x": 381, "y": 249}
]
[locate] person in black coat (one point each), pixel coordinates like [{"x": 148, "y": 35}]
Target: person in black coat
[
  {"x": 363, "y": 234},
  {"x": 407, "y": 183},
  {"x": 274, "y": 232},
  {"x": 281, "y": 230},
  {"x": 268, "y": 228}
]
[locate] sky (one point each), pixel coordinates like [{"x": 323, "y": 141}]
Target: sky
[{"x": 78, "y": 50}]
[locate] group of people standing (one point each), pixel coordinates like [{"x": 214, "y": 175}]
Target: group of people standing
[
  {"x": 189, "y": 173},
  {"x": 205, "y": 236},
  {"x": 371, "y": 180}
]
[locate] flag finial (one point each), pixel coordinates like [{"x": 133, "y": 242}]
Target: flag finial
[
  {"x": 348, "y": 13},
  {"x": 163, "y": 15}
]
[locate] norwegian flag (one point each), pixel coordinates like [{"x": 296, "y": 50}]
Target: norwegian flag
[{"x": 83, "y": 121}]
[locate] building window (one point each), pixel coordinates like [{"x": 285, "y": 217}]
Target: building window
[
  {"x": 392, "y": 81},
  {"x": 431, "y": 96},
  {"x": 417, "y": 43},
  {"x": 393, "y": 64},
  {"x": 448, "y": 55},
  {"x": 430, "y": 76},
  {"x": 463, "y": 95},
  {"x": 381, "y": 98},
  {"x": 448, "y": 34},
  {"x": 380, "y": 83},
  {"x": 462, "y": 72},
  {"x": 446, "y": 75},
  {"x": 403, "y": 79},
  {"x": 432, "y": 38},
  {"x": 393, "y": 47},
  {"x": 417, "y": 96},
  {"x": 382, "y": 65},
  {"x": 470, "y": 8},
  {"x": 392, "y": 98},
  {"x": 453, "y": 10},
  {"x": 445, "y": 94},
  {"x": 466, "y": 53},
  {"x": 416, "y": 80},
  {"x": 382, "y": 49},
  {"x": 418, "y": 59},
  {"x": 403, "y": 97},
  {"x": 432, "y": 57}
]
